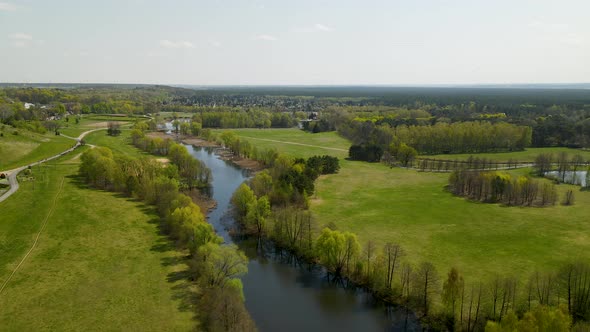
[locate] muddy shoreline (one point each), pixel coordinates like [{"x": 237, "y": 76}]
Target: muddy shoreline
[{"x": 225, "y": 154}]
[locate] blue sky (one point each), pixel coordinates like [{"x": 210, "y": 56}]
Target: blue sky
[{"x": 295, "y": 42}]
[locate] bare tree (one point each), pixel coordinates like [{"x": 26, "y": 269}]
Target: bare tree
[
  {"x": 392, "y": 253},
  {"x": 426, "y": 285}
]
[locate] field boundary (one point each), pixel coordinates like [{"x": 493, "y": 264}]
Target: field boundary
[{"x": 37, "y": 237}]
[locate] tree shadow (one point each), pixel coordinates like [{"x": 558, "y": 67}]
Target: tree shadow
[
  {"x": 78, "y": 181},
  {"x": 163, "y": 245},
  {"x": 184, "y": 291}
]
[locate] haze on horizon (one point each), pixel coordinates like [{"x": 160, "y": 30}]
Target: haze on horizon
[{"x": 256, "y": 42}]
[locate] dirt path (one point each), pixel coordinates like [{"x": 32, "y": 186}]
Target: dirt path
[
  {"x": 14, "y": 172},
  {"x": 295, "y": 143},
  {"x": 43, "y": 224}
]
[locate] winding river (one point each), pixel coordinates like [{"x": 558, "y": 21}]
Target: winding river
[{"x": 283, "y": 294}]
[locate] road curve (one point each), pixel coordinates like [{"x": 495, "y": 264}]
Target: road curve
[{"x": 11, "y": 174}]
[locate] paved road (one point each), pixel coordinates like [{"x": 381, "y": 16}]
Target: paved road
[{"x": 14, "y": 172}]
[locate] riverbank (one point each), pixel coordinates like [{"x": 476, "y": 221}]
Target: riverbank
[{"x": 224, "y": 153}]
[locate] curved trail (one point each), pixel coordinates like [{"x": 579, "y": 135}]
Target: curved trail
[
  {"x": 37, "y": 237},
  {"x": 295, "y": 143},
  {"x": 14, "y": 172}
]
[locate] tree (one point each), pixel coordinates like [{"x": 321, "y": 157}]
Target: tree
[
  {"x": 543, "y": 163},
  {"x": 452, "y": 290},
  {"x": 182, "y": 222},
  {"x": 226, "y": 310},
  {"x": 336, "y": 250},
  {"x": 242, "y": 199},
  {"x": 426, "y": 285},
  {"x": 369, "y": 254},
  {"x": 563, "y": 165},
  {"x": 261, "y": 183},
  {"x": 217, "y": 264},
  {"x": 392, "y": 253},
  {"x": 405, "y": 154},
  {"x": 569, "y": 198},
  {"x": 541, "y": 319},
  {"x": 113, "y": 128},
  {"x": 573, "y": 280},
  {"x": 258, "y": 212}
]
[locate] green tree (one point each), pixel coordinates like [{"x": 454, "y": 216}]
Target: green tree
[
  {"x": 258, "y": 212},
  {"x": 337, "y": 250}
]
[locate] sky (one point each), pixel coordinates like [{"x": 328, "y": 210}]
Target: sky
[{"x": 295, "y": 42}]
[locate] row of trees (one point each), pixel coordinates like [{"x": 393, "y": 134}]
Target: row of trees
[
  {"x": 494, "y": 187},
  {"x": 460, "y": 137},
  {"x": 216, "y": 268},
  {"x": 562, "y": 162},
  {"x": 193, "y": 172},
  {"x": 251, "y": 118}
]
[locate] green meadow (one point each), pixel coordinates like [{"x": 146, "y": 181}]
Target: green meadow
[
  {"x": 296, "y": 142},
  {"x": 413, "y": 209},
  {"x": 100, "y": 262},
  {"x": 27, "y": 147}
]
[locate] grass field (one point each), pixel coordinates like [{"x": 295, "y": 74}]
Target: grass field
[
  {"x": 100, "y": 262},
  {"x": 306, "y": 144},
  {"x": 27, "y": 147},
  {"x": 526, "y": 155},
  {"x": 71, "y": 128},
  {"x": 414, "y": 210},
  {"x": 119, "y": 144}
]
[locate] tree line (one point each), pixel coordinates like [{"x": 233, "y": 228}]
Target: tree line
[
  {"x": 441, "y": 138},
  {"x": 562, "y": 163},
  {"x": 501, "y": 187},
  {"x": 214, "y": 267}
]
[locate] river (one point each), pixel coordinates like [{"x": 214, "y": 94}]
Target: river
[{"x": 283, "y": 294}]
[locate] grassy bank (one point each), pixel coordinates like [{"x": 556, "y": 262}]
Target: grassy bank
[{"x": 100, "y": 262}]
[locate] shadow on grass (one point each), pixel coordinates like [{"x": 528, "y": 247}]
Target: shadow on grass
[
  {"x": 183, "y": 288},
  {"x": 185, "y": 292}
]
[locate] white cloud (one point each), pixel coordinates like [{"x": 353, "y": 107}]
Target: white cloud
[
  {"x": 176, "y": 44},
  {"x": 6, "y": 6},
  {"x": 321, "y": 27},
  {"x": 21, "y": 36},
  {"x": 266, "y": 37},
  {"x": 216, "y": 43},
  {"x": 21, "y": 40}
]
